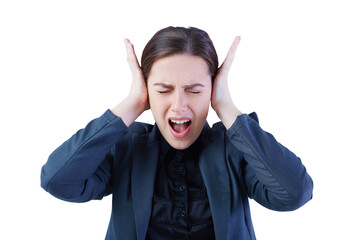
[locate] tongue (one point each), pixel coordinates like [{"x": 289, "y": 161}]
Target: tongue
[{"x": 179, "y": 127}]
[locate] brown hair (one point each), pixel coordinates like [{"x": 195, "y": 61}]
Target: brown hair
[{"x": 179, "y": 40}]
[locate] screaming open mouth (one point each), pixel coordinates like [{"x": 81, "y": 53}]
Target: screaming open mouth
[{"x": 179, "y": 128}]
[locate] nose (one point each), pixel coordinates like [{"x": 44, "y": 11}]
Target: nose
[{"x": 180, "y": 102}]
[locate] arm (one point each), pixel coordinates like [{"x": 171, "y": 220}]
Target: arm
[
  {"x": 80, "y": 169},
  {"x": 274, "y": 176}
]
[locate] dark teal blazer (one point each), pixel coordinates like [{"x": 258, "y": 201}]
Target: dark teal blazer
[{"x": 106, "y": 157}]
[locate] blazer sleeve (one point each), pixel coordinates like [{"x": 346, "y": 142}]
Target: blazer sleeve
[
  {"x": 274, "y": 176},
  {"x": 80, "y": 169}
]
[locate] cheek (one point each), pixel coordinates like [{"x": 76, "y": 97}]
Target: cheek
[
  {"x": 158, "y": 106},
  {"x": 201, "y": 107}
]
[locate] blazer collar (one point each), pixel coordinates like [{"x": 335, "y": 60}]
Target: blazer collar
[{"x": 213, "y": 168}]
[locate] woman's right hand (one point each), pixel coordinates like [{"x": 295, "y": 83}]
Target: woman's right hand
[{"x": 137, "y": 100}]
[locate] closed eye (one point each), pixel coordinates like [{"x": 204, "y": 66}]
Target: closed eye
[
  {"x": 163, "y": 91},
  {"x": 194, "y": 88}
]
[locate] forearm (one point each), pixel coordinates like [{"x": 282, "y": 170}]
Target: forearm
[
  {"x": 228, "y": 114},
  {"x": 71, "y": 167},
  {"x": 129, "y": 110},
  {"x": 276, "y": 177}
]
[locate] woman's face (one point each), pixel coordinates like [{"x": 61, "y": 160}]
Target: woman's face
[{"x": 179, "y": 89}]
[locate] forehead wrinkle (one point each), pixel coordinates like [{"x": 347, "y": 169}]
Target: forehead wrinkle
[{"x": 181, "y": 70}]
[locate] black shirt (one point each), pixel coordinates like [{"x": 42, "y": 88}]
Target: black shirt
[{"x": 180, "y": 208}]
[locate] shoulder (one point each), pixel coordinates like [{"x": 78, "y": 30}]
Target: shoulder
[
  {"x": 137, "y": 133},
  {"x": 142, "y": 133},
  {"x": 219, "y": 126},
  {"x": 140, "y": 128}
]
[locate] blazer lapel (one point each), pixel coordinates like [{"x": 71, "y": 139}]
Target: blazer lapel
[
  {"x": 213, "y": 169},
  {"x": 144, "y": 164}
]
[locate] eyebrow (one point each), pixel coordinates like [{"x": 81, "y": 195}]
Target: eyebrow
[
  {"x": 191, "y": 86},
  {"x": 163, "y": 85}
]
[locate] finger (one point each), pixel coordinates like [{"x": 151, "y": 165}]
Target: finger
[
  {"x": 231, "y": 53},
  {"x": 131, "y": 56}
]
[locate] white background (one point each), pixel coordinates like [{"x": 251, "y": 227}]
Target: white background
[{"x": 63, "y": 63}]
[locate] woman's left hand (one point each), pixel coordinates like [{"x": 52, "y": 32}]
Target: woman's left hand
[{"x": 221, "y": 100}]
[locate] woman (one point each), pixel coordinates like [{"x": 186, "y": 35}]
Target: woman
[{"x": 178, "y": 179}]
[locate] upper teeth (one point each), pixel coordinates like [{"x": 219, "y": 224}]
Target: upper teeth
[{"x": 179, "y": 121}]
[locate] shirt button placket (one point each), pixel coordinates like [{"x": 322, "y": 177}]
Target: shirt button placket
[{"x": 181, "y": 186}]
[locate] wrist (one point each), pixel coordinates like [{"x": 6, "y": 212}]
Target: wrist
[
  {"x": 228, "y": 114},
  {"x": 128, "y": 110}
]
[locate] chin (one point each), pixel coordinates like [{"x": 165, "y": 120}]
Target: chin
[{"x": 180, "y": 144}]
